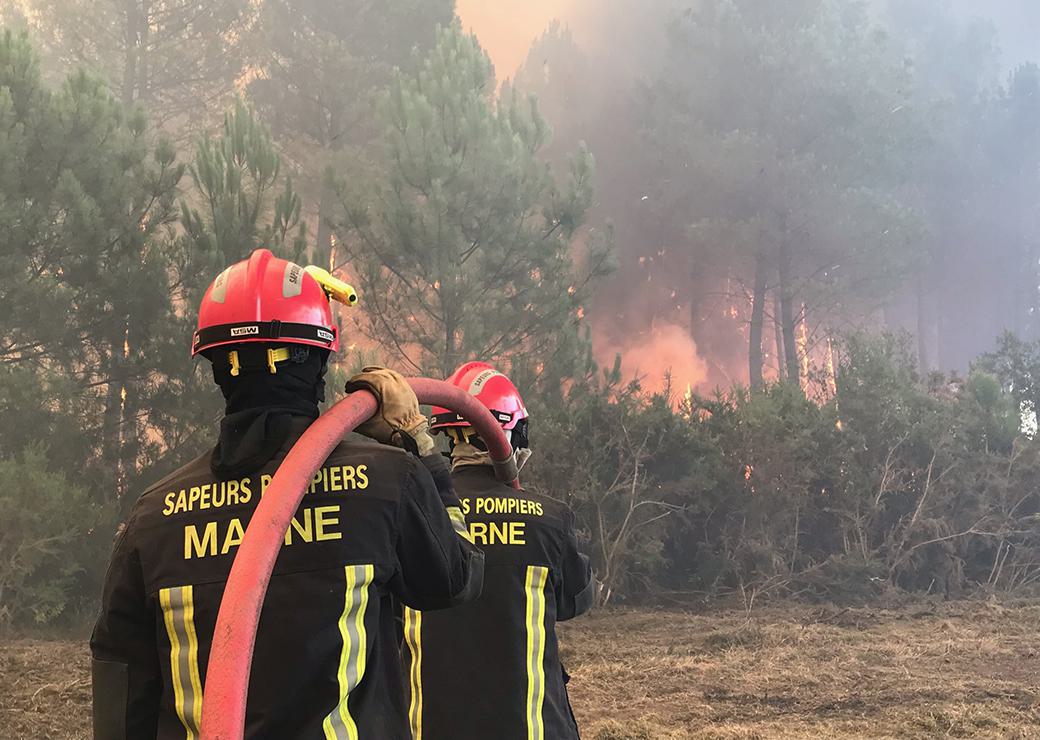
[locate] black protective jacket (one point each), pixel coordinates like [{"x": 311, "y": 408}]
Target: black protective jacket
[
  {"x": 372, "y": 528},
  {"x": 490, "y": 669}
]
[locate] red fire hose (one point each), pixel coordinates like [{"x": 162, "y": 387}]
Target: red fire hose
[{"x": 230, "y": 660}]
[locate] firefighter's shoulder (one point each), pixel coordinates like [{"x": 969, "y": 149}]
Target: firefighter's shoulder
[
  {"x": 484, "y": 496},
  {"x": 381, "y": 469},
  {"x": 351, "y": 467},
  {"x": 154, "y": 494},
  {"x": 555, "y": 510}
]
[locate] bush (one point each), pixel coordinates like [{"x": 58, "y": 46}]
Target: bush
[
  {"x": 897, "y": 481},
  {"x": 621, "y": 459},
  {"x": 49, "y": 542}
]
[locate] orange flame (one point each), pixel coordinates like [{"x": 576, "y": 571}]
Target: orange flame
[
  {"x": 803, "y": 347},
  {"x": 832, "y": 377}
]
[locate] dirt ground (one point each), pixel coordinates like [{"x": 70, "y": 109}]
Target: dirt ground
[{"x": 962, "y": 669}]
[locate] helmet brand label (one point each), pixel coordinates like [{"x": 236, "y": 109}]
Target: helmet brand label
[
  {"x": 292, "y": 280},
  {"x": 242, "y": 331},
  {"x": 326, "y": 335}
]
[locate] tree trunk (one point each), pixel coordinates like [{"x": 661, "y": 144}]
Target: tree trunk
[
  {"x": 450, "y": 349},
  {"x": 787, "y": 316},
  {"x": 130, "y": 52},
  {"x": 143, "y": 69},
  {"x": 758, "y": 308},
  {"x": 323, "y": 246},
  {"x": 112, "y": 421},
  {"x": 778, "y": 337}
]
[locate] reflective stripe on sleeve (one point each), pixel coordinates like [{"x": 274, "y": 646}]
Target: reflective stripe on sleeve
[
  {"x": 178, "y": 608},
  {"x": 534, "y": 587},
  {"x": 339, "y": 725},
  {"x": 413, "y": 637},
  {"x": 458, "y": 522}
]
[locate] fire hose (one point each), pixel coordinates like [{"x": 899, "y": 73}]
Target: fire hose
[{"x": 230, "y": 660}]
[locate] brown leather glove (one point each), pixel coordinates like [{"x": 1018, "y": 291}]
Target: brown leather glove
[{"x": 397, "y": 420}]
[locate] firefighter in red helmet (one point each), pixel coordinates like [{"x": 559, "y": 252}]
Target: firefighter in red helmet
[
  {"x": 373, "y": 527},
  {"x": 491, "y": 668}
]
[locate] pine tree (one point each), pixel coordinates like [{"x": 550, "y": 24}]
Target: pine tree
[
  {"x": 178, "y": 59},
  {"x": 86, "y": 204},
  {"x": 464, "y": 246},
  {"x": 318, "y": 84},
  {"x": 242, "y": 201},
  {"x": 784, "y": 136}
]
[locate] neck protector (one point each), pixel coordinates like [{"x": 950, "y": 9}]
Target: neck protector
[{"x": 260, "y": 405}]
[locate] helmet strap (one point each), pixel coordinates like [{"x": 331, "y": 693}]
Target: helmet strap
[
  {"x": 274, "y": 356},
  {"x": 249, "y": 359}
]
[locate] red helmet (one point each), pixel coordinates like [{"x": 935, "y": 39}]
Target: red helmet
[
  {"x": 491, "y": 388},
  {"x": 268, "y": 299}
]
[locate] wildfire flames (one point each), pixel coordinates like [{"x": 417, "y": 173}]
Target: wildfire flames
[{"x": 666, "y": 353}]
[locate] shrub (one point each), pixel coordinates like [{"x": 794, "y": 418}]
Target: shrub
[{"x": 48, "y": 543}]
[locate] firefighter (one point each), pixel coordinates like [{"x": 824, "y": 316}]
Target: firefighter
[
  {"x": 372, "y": 527},
  {"x": 491, "y": 668}
]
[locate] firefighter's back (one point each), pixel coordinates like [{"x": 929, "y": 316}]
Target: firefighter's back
[
  {"x": 491, "y": 668},
  {"x": 326, "y": 630}
]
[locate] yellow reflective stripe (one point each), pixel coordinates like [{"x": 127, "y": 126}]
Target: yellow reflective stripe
[
  {"x": 534, "y": 612},
  {"x": 413, "y": 637},
  {"x": 175, "y": 663},
  {"x": 458, "y": 522},
  {"x": 354, "y": 655},
  {"x": 362, "y": 635},
  {"x": 193, "y": 654},
  {"x": 178, "y": 608}
]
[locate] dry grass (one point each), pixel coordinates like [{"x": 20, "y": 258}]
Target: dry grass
[
  {"x": 933, "y": 670},
  {"x": 44, "y": 690},
  {"x": 944, "y": 670}
]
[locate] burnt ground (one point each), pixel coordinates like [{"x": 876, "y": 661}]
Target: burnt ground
[{"x": 961, "y": 669}]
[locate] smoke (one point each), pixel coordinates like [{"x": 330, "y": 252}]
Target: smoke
[
  {"x": 507, "y": 28},
  {"x": 1017, "y": 22},
  {"x": 666, "y": 352},
  {"x": 667, "y": 307},
  {"x": 582, "y": 59}
]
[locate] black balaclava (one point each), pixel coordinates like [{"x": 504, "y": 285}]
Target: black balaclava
[{"x": 260, "y": 405}]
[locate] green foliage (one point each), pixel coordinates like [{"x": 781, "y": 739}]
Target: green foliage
[
  {"x": 896, "y": 482},
  {"x": 93, "y": 343},
  {"x": 1016, "y": 366},
  {"x": 330, "y": 59},
  {"x": 318, "y": 85},
  {"x": 829, "y": 164},
  {"x": 464, "y": 246},
  {"x": 86, "y": 204},
  {"x": 237, "y": 177},
  {"x": 625, "y": 462},
  {"x": 49, "y": 525},
  {"x": 175, "y": 59}
]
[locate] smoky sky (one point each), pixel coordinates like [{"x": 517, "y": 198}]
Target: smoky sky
[
  {"x": 1017, "y": 23},
  {"x": 617, "y": 39}
]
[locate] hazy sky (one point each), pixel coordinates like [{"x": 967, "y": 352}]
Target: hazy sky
[
  {"x": 507, "y": 27},
  {"x": 1018, "y": 22}
]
